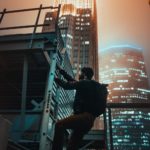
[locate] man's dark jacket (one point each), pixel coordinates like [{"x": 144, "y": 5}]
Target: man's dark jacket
[{"x": 85, "y": 93}]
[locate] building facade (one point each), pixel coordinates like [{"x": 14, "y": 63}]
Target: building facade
[
  {"x": 123, "y": 68},
  {"x": 78, "y": 24}
]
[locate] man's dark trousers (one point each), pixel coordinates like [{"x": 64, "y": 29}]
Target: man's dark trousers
[{"x": 79, "y": 123}]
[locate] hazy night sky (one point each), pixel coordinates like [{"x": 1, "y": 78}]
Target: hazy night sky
[{"x": 120, "y": 22}]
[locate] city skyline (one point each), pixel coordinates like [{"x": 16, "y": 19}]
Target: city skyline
[{"x": 122, "y": 25}]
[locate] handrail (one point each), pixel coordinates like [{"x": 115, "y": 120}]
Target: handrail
[
  {"x": 29, "y": 9},
  {"x": 2, "y": 13},
  {"x": 25, "y": 26},
  {"x": 128, "y": 105}
]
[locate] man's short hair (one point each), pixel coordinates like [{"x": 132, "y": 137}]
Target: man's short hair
[{"x": 88, "y": 72}]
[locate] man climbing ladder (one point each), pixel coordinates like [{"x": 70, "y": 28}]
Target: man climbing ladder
[{"x": 84, "y": 108}]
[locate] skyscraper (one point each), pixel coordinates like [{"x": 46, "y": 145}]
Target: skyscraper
[
  {"x": 78, "y": 24},
  {"x": 123, "y": 68}
]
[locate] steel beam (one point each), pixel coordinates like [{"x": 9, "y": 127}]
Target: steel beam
[{"x": 24, "y": 95}]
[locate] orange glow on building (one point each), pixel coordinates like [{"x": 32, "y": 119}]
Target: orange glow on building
[
  {"x": 76, "y": 3},
  {"x": 71, "y": 6},
  {"x": 68, "y": 9}
]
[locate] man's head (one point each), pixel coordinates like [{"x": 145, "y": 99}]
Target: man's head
[{"x": 86, "y": 73}]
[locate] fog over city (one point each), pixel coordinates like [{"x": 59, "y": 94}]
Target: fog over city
[{"x": 120, "y": 22}]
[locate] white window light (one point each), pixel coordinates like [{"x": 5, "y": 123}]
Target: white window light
[
  {"x": 141, "y": 62},
  {"x": 75, "y": 71},
  {"x": 61, "y": 22},
  {"x": 131, "y": 60},
  {"x": 122, "y": 81},
  {"x": 77, "y": 28},
  {"x": 77, "y": 23},
  {"x": 63, "y": 18},
  {"x": 113, "y": 60},
  {"x": 87, "y": 42},
  {"x": 68, "y": 46},
  {"x": 143, "y": 90},
  {"x": 63, "y": 35},
  {"x": 107, "y": 66},
  {"x": 116, "y": 88},
  {"x": 49, "y": 18},
  {"x": 70, "y": 36},
  {"x": 87, "y": 15}
]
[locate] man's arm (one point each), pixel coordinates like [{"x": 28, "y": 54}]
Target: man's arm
[
  {"x": 65, "y": 74},
  {"x": 67, "y": 85}
]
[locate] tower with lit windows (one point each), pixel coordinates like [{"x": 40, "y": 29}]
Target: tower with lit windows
[
  {"x": 78, "y": 24},
  {"x": 123, "y": 68}
]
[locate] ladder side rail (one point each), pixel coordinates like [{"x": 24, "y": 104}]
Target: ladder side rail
[
  {"x": 47, "y": 105},
  {"x": 48, "y": 94}
]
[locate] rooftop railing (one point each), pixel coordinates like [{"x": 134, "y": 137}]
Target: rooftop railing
[{"x": 122, "y": 120}]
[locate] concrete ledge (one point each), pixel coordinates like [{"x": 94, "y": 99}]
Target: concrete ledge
[{"x": 4, "y": 127}]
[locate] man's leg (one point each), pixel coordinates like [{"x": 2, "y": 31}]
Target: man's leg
[
  {"x": 85, "y": 125},
  {"x": 75, "y": 139},
  {"x": 67, "y": 123},
  {"x": 58, "y": 137},
  {"x": 78, "y": 122}
]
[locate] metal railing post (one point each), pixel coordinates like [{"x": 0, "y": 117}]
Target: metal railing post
[
  {"x": 57, "y": 19},
  {"x": 105, "y": 129},
  {"x": 35, "y": 27},
  {"x": 3, "y": 13},
  {"x": 110, "y": 129}
]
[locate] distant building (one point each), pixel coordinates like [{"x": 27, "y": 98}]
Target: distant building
[
  {"x": 123, "y": 68},
  {"x": 78, "y": 23}
]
